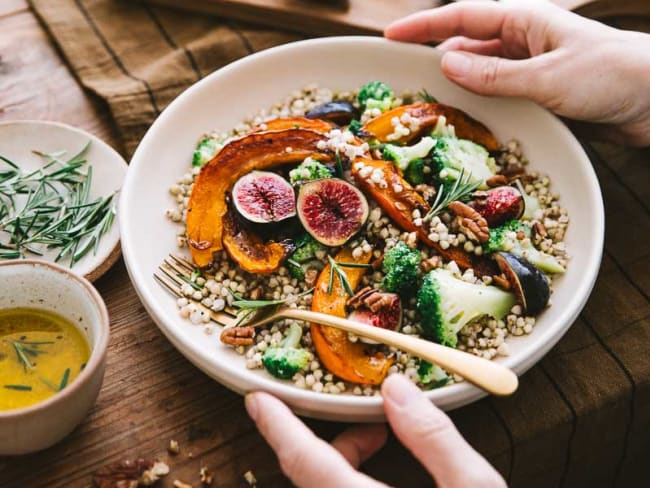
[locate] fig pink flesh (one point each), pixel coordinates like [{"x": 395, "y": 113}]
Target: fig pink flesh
[
  {"x": 264, "y": 197},
  {"x": 332, "y": 210}
]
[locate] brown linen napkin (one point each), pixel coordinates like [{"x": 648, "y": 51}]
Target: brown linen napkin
[
  {"x": 139, "y": 58},
  {"x": 581, "y": 416}
]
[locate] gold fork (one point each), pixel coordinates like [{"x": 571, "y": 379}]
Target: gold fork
[{"x": 488, "y": 375}]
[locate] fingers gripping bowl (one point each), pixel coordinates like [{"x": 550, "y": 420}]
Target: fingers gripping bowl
[{"x": 343, "y": 65}]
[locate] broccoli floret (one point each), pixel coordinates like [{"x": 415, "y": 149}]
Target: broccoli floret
[
  {"x": 504, "y": 238},
  {"x": 403, "y": 155},
  {"x": 304, "y": 257},
  {"x": 401, "y": 267},
  {"x": 205, "y": 150},
  {"x": 376, "y": 94},
  {"x": 432, "y": 375},
  {"x": 446, "y": 304},
  {"x": 308, "y": 170},
  {"x": 451, "y": 155},
  {"x": 355, "y": 126},
  {"x": 306, "y": 248},
  {"x": 287, "y": 359},
  {"x": 415, "y": 173}
]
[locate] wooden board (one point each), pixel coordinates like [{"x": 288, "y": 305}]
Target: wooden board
[{"x": 331, "y": 17}]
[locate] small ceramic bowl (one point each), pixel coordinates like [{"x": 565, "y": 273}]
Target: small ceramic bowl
[{"x": 38, "y": 284}]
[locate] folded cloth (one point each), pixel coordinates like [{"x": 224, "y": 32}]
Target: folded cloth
[{"x": 138, "y": 58}]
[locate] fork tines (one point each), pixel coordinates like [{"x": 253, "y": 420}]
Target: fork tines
[{"x": 174, "y": 273}]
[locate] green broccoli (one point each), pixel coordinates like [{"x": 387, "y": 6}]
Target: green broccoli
[
  {"x": 403, "y": 155},
  {"x": 451, "y": 155},
  {"x": 401, "y": 267},
  {"x": 205, "y": 150},
  {"x": 416, "y": 173},
  {"x": 431, "y": 375},
  {"x": 304, "y": 257},
  {"x": 308, "y": 170},
  {"x": 376, "y": 94},
  {"x": 287, "y": 359},
  {"x": 355, "y": 126},
  {"x": 446, "y": 304},
  {"x": 504, "y": 238}
]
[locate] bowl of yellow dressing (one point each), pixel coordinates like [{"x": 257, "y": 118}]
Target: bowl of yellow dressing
[{"x": 54, "y": 331}]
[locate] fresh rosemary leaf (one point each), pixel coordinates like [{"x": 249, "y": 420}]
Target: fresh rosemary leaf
[
  {"x": 65, "y": 379},
  {"x": 339, "y": 166},
  {"x": 49, "y": 383},
  {"x": 18, "y": 387},
  {"x": 460, "y": 190},
  {"x": 55, "y": 210},
  {"x": 343, "y": 278},
  {"x": 353, "y": 265},
  {"x": 426, "y": 96}
]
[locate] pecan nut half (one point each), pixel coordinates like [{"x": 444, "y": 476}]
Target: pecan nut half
[
  {"x": 471, "y": 221},
  {"x": 238, "y": 336},
  {"x": 130, "y": 474}
]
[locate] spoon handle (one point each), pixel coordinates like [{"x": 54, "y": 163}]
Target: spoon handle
[{"x": 486, "y": 374}]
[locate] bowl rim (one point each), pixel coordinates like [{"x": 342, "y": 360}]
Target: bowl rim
[
  {"x": 101, "y": 267},
  {"x": 229, "y": 374},
  {"x": 98, "y": 351}
]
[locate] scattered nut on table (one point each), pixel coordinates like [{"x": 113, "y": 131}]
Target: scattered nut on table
[
  {"x": 130, "y": 474},
  {"x": 205, "y": 477},
  {"x": 173, "y": 447},
  {"x": 250, "y": 478}
]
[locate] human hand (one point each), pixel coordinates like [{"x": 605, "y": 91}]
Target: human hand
[
  {"x": 424, "y": 429},
  {"x": 575, "y": 67}
]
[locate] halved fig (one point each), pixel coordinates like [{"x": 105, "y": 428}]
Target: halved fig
[
  {"x": 263, "y": 197},
  {"x": 500, "y": 204},
  {"x": 285, "y": 123},
  {"x": 386, "y": 316},
  {"x": 427, "y": 114},
  {"x": 331, "y": 210},
  {"x": 258, "y": 151},
  {"x": 530, "y": 285},
  {"x": 248, "y": 249},
  {"x": 339, "y": 112}
]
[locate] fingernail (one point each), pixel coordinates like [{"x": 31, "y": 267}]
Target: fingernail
[
  {"x": 251, "y": 405},
  {"x": 456, "y": 63},
  {"x": 400, "y": 390}
]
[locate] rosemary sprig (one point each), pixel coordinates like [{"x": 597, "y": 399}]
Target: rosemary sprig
[
  {"x": 245, "y": 308},
  {"x": 65, "y": 379},
  {"x": 460, "y": 190},
  {"x": 335, "y": 269},
  {"x": 338, "y": 167},
  {"x": 25, "y": 348},
  {"x": 55, "y": 210},
  {"x": 426, "y": 96},
  {"x": 18, "y": 387}
]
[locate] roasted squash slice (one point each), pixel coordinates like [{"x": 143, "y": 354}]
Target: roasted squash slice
[
  {"x": 350, "y": 361},
  {"x": 400, "y": 206},
  {"x": 318, "y": 125},
  {"x": 427, "y": 113},
  {"x": 207, "y": 205},
  {"x": 248, "y": 250}
]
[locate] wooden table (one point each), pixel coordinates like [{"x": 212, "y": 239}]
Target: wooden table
[{"x": 151, "y": 394}]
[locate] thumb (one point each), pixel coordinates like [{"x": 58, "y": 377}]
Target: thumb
[
  {"x": 491, "y": 75},
  {"x": 432, "y": 438}
]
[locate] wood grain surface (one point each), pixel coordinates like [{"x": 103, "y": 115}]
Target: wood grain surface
[{"x": 151, "y": 394}]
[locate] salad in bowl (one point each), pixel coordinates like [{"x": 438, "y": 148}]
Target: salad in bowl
[{"x": 391, "y": 209}]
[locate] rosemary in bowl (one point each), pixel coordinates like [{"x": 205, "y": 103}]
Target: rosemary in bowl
[{"x": 50, "y": 208}]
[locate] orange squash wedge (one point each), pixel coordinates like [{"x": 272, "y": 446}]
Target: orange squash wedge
[
  {"x": 259, "y": 151},
  {"x": 428, "y": 113},
  {"x": 248, "y": 250},
  {"x": 350, "y": 361},
  {"x": 317, "y": 125}
]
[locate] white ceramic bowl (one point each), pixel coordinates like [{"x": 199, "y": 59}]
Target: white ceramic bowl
[
  {"x": 38, "y": 284},
  {"x": 231, "y": 94},
  {"x": 19, "y": 138}
]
